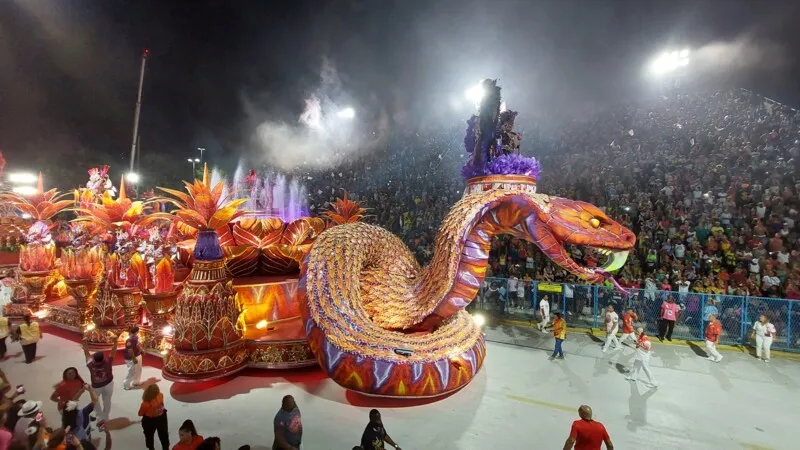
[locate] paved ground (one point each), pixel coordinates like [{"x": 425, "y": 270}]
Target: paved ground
[{"x": 519, "y": 400}]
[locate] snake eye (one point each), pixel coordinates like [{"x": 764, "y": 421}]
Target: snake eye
[{"x": 594, "y": 222}]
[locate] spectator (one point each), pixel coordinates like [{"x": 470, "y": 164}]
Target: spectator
[
  {"x": 76, "y": 419},
  {"x": 3, "y": 335},
  {"x": 70, "y": 388},
  {"x": 375, "y": 434},
  {"x": 586, "y": 433},
  {"x": 154, "y": 418},
  {"x": 188, "y": 439},
  {"x": 288, "y": 426}
]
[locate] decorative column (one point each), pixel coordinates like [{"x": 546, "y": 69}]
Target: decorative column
[{"x": 208, "y": 340}]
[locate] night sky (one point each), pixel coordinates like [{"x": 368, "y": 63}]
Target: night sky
[{"x": 69, "y": 68}]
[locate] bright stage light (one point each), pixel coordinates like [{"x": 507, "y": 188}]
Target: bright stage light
[
  {"x": 261, "y": 324},
  {"x": 479, "y": 319},
  {"x": 475, "y": 93},
  {"x": 167, "y": 330},
  {"x": 132, "y": 177},
  {"x": 347, "y": 113},
  {"x": 670, "y": 61},
  {"x": 22, "y": 178},
  {"x": 25, "y": 190}
]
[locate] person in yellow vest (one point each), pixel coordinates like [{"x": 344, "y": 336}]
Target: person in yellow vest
[
  {"x": 3, "y": 335},
  {"x": 29, "y": 335},
  {"x": 559, "y": 333}
]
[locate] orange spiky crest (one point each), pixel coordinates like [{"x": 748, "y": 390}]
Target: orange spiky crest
[
  {"x": 203, "y": 208},
  {"x": 122, "y": 195},
  {"x": 111, "y": 214},
  {"x": 42, "y": 205},
  {"x": 344, "y": 210}
]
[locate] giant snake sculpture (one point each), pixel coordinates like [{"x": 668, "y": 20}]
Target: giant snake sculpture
[{"x": 381, "y": 325}]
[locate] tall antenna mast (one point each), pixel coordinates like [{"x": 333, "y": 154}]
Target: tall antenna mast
[{"x": 135, "y": 142}]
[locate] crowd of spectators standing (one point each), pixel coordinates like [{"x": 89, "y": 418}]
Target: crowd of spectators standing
[{"x": 707, "y": 181}]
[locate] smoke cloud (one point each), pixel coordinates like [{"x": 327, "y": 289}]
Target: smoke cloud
[
  {"x": 328, "y": 131},
  {"x": 743, "y": 53}
]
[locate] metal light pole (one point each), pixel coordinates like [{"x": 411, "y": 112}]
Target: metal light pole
[
  {"x": 194, "y": 162},
  {"x": 202, "y": 149},
  {"x": 135, "y": 141}
]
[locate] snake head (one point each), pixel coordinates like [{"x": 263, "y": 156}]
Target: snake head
[{"x": 572, "y": 222}]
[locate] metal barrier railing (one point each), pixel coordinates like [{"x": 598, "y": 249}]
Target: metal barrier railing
[{"x": 584, "y": 306}]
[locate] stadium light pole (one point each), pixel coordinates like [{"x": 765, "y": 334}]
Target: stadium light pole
[
  {"x": 201, "y": 149},
  {"x": 194, "y": 162}
]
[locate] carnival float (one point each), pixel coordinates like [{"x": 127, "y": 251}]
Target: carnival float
[{"x": 231, "y": 277}]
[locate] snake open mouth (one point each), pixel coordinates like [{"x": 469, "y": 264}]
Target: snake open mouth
[
  {"x": 611, "y": 260},
  {"x": 615, "y": 259}
]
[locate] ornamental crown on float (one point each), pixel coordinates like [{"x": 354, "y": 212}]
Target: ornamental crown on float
[{"x": 492, "y": 142}]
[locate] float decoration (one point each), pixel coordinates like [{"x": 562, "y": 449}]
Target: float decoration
[
  {"x": 38, "y": 255},
  {"x": 207, "y": 335},
  {"x": 381, "y": 325},
  {"x": 159, "y": 305},
  {"x": 82, "y": 270}
]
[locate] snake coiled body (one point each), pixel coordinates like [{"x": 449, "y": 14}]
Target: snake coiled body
[{"x": 380, "y": 324}]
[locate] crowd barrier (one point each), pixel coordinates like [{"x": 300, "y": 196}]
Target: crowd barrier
[{"x": 584, "y": 306}]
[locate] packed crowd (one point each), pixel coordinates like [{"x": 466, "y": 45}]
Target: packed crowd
[
  {"x": 24, "y": 426},
  {"x": 708, "y": 182}
]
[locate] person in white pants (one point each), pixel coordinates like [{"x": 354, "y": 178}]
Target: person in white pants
[
  {"x": 764, "y": 332},
  {"x": 133, "y": 359},
  {"x": 713, "y": 331},
  {"x": 102, "y": 375},
  {"x": 612, "y": 326},
  {"x": 544, "y": 313},
  {"x": 641, "y": 363}
]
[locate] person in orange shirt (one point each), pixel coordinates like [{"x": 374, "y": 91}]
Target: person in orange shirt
[
  {"x": 713, "y": 331},
  {"x": 559, "y": 333},
  {"x": 154, "y": 417},
  {"x": 189, "y": 439}
]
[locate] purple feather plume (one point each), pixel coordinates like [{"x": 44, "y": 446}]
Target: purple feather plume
[{"x": 510, "y": 164}]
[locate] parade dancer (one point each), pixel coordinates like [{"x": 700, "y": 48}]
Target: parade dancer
[
  {"x": 642, "y": 360},
  {"x": 713, "y": 331},
  {"x": 764, "y": 332},
  {"x": 544, "y": 313},
  {"x": 627, "y": 327},
  {"x": 612, "y": 326}
]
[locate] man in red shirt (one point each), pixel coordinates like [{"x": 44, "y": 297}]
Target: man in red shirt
[
  {"x": 586, "y": 434},
  {"x": 713, "y": 330},
  {"x": 627, "y": 326}
]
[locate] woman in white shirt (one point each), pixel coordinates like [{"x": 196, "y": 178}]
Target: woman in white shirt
[{"x": 764, "y": 332}]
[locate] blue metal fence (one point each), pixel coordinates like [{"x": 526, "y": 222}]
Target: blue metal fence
[{"x": 584, "y": 306}]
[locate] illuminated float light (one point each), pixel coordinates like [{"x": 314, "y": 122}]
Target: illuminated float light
[
  {"x": 132, "y": 177},
  {"x": 164, "y": 352},
  {"x": 261, "y": 325},
  {"x": 479, "y": 319},
  {"x": 41, "y": 314},
  {"x": 26, "y": 216},
  {"x": 90, "y": 327},
  {"x": 167, "y": 330}
]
